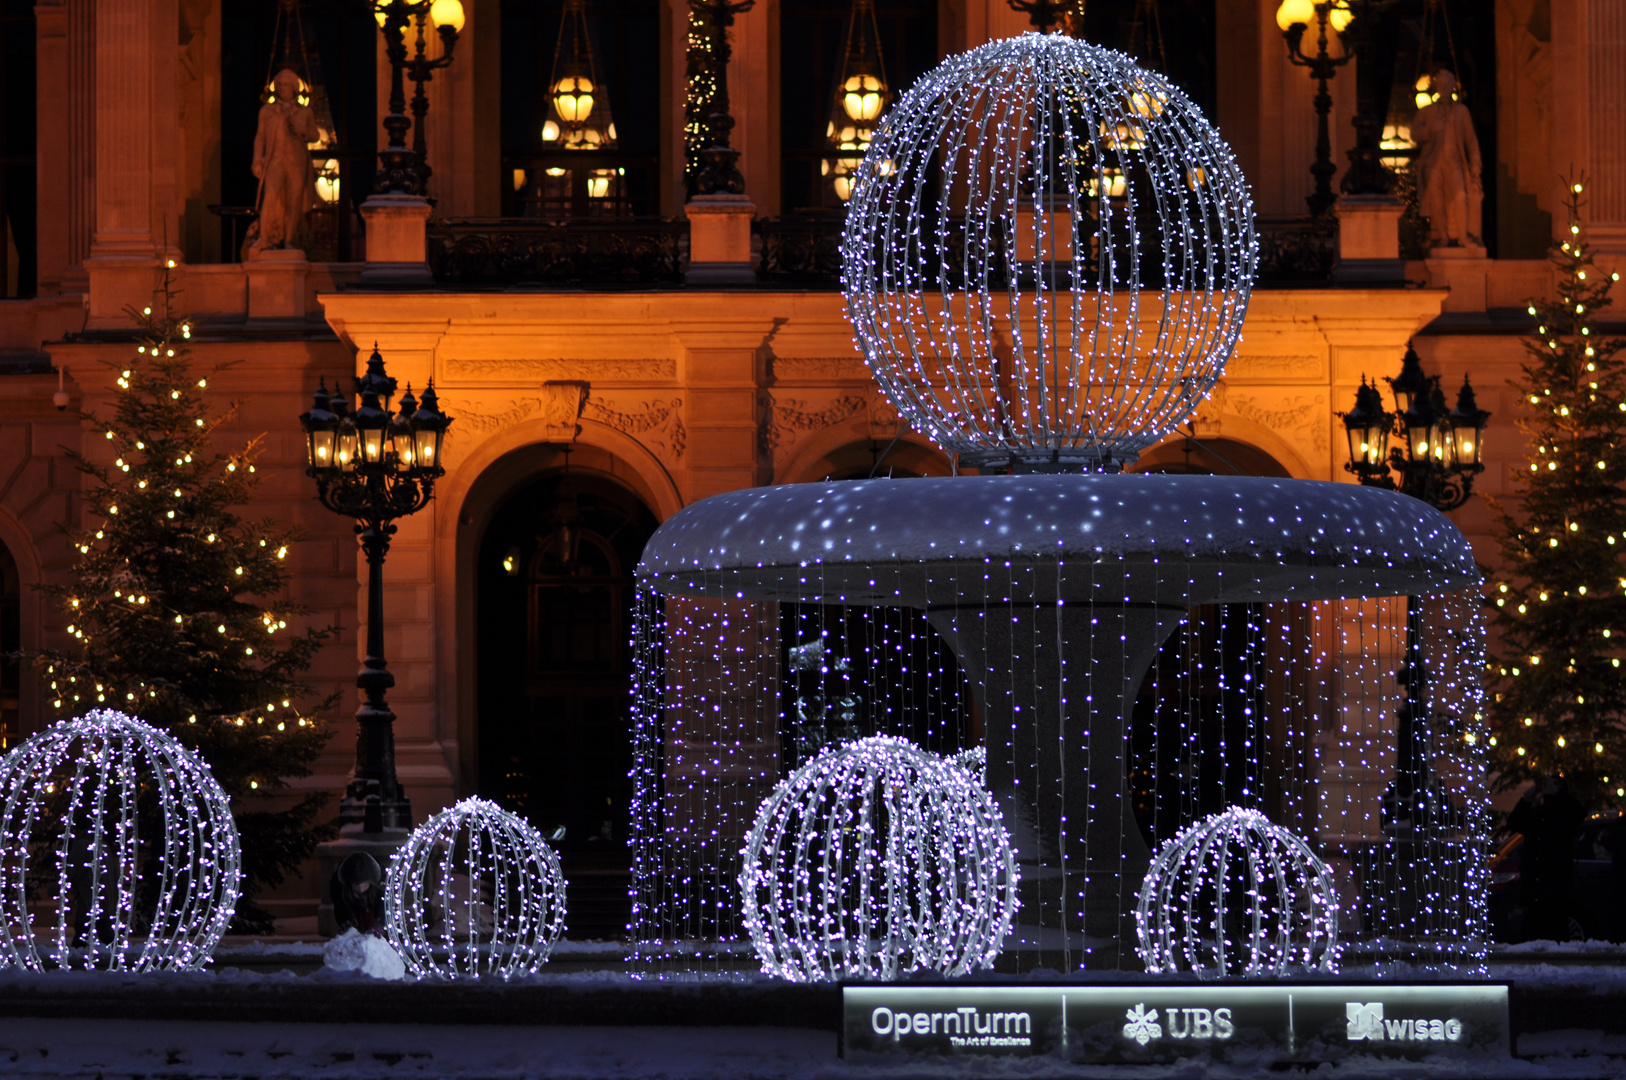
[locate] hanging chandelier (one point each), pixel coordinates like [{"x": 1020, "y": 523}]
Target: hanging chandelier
[
  {"x": 861, "y": 96},
  {"x": 578, "y": 107}
]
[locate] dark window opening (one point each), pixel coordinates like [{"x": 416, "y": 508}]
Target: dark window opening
[
  {"x": 542, "y": 176},
  {"x": 19, "y": 263},
  {"x": 811, "y": 33}
]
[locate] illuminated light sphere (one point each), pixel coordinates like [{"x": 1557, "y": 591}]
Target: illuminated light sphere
[
  {"x": 875, "y": 859},
  {"x": 1234, "y": 894},
  {"x": 117, "y": 850},
  {"x": 476, "y": 891},
  {"x": 1048, "y": 255}
]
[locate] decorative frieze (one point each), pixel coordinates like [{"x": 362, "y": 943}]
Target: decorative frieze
[
  {"x": 782, "y": 419},
  {"x": 454, "y": 371}
]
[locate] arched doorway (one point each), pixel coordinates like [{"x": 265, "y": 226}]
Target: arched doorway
[{"x": 553, "y": 705}]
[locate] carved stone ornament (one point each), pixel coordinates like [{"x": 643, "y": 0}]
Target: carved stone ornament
[
  {"x": 781, "y": 420},
  {"x": 562, "y": 404}
]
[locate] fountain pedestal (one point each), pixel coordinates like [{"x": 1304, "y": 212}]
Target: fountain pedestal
[{"x": 1056, "y": 684}]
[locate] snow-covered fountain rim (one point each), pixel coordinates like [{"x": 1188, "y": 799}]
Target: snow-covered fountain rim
[{"x": 1243, "y": 527}]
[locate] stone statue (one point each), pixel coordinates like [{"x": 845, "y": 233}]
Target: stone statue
[
  {"x": 1449, "y": 192},
  {"x": 282, "y": 162}
]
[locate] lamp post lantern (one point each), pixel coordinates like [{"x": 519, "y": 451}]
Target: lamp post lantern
[
  {"x": 406, "y": 171},
  {"x": 720, "y": 175},
  {"x": 1355, "y": 22},
  {"x": 1438, "y": 456},
  {"x": 374, "y": 465},
  {"x": 1294, "y": 16}
]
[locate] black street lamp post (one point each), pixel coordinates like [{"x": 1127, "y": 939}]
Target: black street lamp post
[
  {"x": 720, "y": 173},
  {"x": 1323, "y": 66},
  {"x": 374, "y": 465},
  {"x": 1356, "y": 23},
  {"x": 406, "y": 171},
  {"x": 1438, "y": 457}
]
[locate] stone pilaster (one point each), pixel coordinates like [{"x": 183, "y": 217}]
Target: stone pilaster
[
  {"x": 722, "y": 367},
  {"x": 123, "y": 255}
]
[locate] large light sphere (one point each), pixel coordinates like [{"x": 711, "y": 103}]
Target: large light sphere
[
  {"x": 475, "y": 891},
  {"x": 875, "y": 859},
  {"x": 1048, "y": 255},
  {"x": 1235, "y": 894},
  {"x": 117, "y": 850}
]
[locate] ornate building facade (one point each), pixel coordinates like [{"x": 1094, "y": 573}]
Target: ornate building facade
[{"x": 591, "y": 386}]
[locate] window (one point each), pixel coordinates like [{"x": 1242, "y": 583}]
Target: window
[
  {"x": 589, "y": 148},
  {"x": 17, "y": 177}
]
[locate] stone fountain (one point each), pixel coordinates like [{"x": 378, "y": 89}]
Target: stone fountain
[{"x": 1047, "y": 261}]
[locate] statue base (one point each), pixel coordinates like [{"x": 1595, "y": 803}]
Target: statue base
[
  {"x": 276, "y": 284},
  {"x": 1459, "y": 251}
]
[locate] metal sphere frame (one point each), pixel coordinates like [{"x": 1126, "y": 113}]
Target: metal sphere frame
[
  {"x": 476, "y": 891},
  {"x": 1048, "y": 255},
  {"x": 83, "y": 881},
  {"x": 1288, "y": 918},
  {"x": 875, "y": 859}
]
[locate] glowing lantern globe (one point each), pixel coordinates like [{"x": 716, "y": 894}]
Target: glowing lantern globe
[
  {"x": 1234, "y": 894},
  {"x": 475, "y": 891},
  {"x": 117, "y": 850},
  {"x": 874, "y": 859},
  {"x": 1047, "y": 257}
]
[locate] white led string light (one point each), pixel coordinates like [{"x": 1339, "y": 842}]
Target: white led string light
[
  {"x": 873, "y": 860},
  {"x": 117, "y": 850},
  {"x": 476, "y": 891},
  {"x": 1235, "y": 894},
  {"x": 1047, "y": 196}
]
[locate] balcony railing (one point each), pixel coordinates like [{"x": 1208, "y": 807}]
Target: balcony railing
[
  {"x": 802, "y": 251},
  {"x": 508, "y": 251}
]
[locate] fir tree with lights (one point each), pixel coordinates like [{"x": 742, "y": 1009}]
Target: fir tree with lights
[
  {"x": 701, "y": 93},
  {"x": 166, "y": 603},
  {"x": 1561, "y": 611}
]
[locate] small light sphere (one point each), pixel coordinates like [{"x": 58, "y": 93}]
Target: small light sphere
[
  {"x": 1047, "y": 197},
  {"x": 874, "y": 859},
  {"x": 1236, "y": 895},
  {"x": 476, "y": 891},
  {"x": 117, "y": 850}
]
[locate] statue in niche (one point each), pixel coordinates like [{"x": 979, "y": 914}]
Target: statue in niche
[
  {"x": 1449, "y": 191},
  {"x": 282, "y": 163}
]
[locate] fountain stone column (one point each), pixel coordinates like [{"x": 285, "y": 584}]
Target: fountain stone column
[{"x": 1056, "y": 684}]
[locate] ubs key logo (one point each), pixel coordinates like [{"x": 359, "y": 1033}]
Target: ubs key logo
[{"x": 1366, "y": 1023}]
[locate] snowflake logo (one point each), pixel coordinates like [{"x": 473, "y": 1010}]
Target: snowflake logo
[{"x": 1143, "y": 1026}]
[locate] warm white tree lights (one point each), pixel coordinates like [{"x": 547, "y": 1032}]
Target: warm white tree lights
[
  {"x": 1234, "y": 894},
  {"x": 475, "y": 892},
  {"x": 117, "y": 850},
  {"x": 875, "y": 859},
  {"x": 1045, "y": 196}
]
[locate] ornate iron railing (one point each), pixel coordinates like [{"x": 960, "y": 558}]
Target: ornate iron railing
[
  {"x": 801, "y": 250},
  {"x": 509, "y": 251},
  {"x": 1296, "y": 250}
]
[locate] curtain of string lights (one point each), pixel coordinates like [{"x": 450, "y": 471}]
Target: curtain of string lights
[
  {"x": 1236, "y": 894},
  {"x": 1061, "y": 247},
  {"x": 476, "y": 891},
  {"x": 117, "y": 850},
  {"x": 875, "y": 859}
]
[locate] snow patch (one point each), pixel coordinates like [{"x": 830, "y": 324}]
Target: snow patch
[{"x": 355, "y": 951}]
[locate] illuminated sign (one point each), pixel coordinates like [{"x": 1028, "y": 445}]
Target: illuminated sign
[{"x": 1154, "y": 1022}]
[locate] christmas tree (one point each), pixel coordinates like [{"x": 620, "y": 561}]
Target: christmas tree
[
  {"x": 1561, "y": 610},
  {"x": 164, "y": 603}
]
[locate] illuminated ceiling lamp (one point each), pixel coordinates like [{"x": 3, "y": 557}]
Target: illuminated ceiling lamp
[
  {"x": 861, "y": 96},
  {"x": 292, "y": 49},
  {"x": 578, "y": 104}
]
